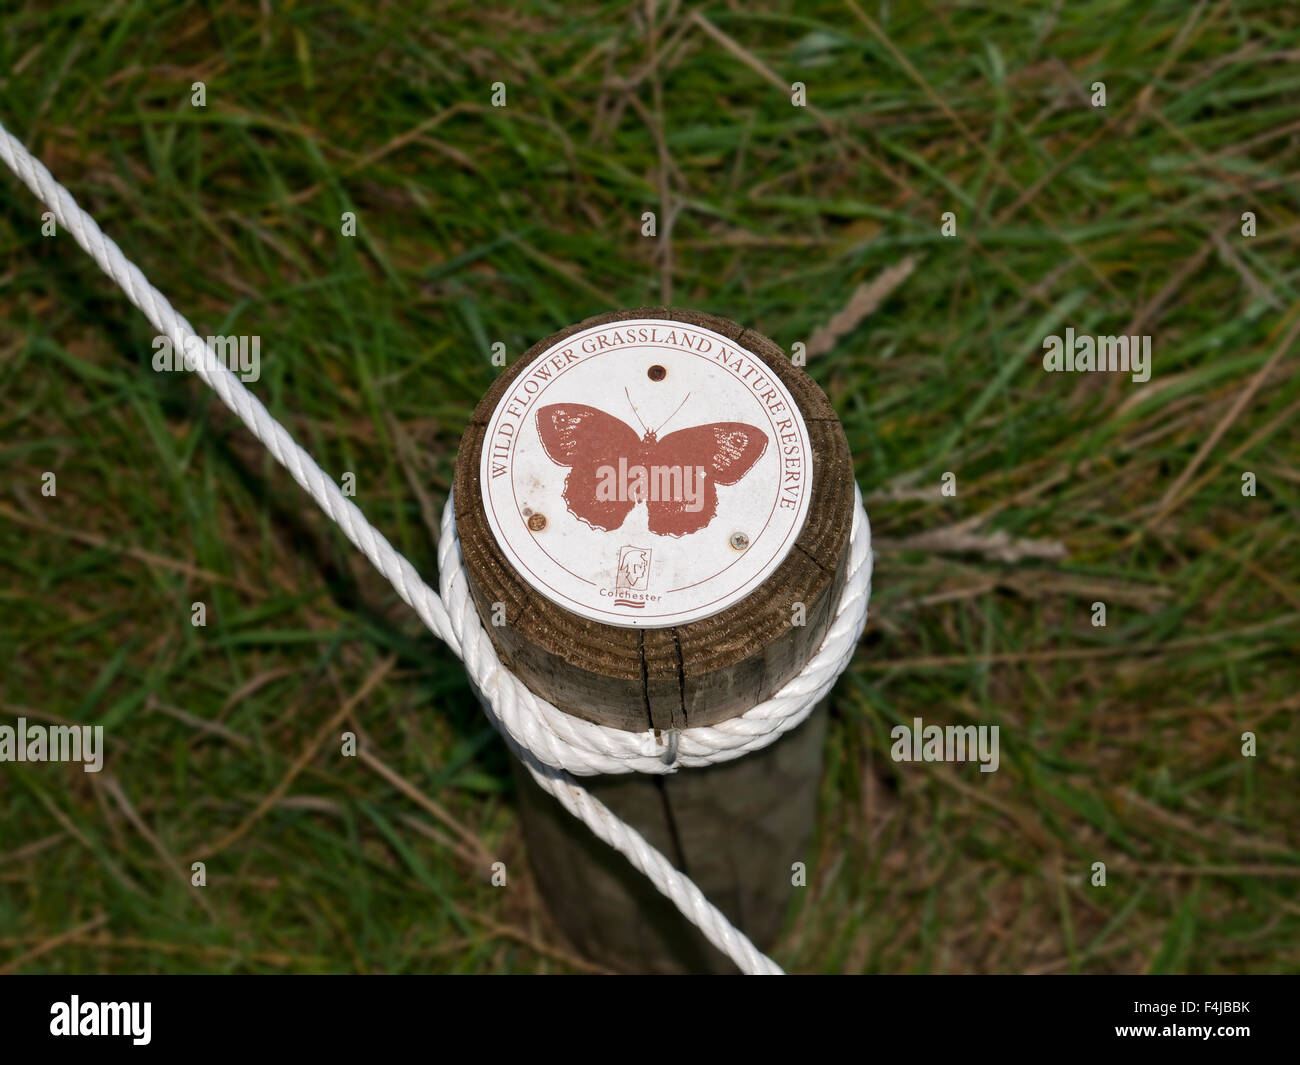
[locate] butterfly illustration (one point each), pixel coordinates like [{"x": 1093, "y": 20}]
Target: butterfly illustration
[{"x": 611, "y": 469}]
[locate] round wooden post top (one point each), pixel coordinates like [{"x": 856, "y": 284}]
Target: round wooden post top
[{"x": 654, "y": 509}]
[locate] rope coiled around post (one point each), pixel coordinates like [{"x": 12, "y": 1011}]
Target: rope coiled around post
[
  {"x": 554, "y": 746},
  {"x": 584, "y": 748}
]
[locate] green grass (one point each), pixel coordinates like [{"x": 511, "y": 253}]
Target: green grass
[{"x": 477, "y": 225}]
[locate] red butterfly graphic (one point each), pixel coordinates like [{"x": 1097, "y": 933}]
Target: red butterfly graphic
[{"x": 603, "y": 453}]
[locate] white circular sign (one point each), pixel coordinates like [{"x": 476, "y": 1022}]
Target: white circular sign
[{"x": 646, "y": 473}]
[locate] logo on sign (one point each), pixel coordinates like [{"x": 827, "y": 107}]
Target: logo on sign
[
  {"x": 611, "y": 470},
  {"x": 633, "y": 575}
]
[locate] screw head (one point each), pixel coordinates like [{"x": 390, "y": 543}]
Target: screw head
[
  {"x": 739, "y": 541},
  {"x": 537, "y": 522}
]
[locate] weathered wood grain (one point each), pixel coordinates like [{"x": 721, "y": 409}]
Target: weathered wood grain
[{"x": 736, "y": 829}]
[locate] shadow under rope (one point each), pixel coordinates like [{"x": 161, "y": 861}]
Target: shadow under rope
[{"x": 76, "y": 284}]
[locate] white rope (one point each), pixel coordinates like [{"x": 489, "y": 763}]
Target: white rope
[
  {"x": 584, "y": 748},
  {"x": 552, "y": 744}
]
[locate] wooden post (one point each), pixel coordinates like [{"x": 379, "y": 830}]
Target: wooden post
[{"x": 654, "y": 508}]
